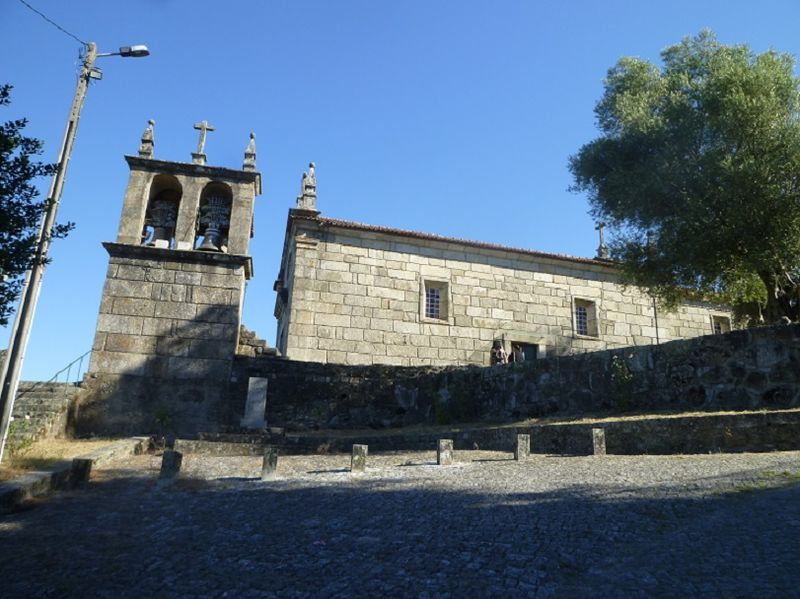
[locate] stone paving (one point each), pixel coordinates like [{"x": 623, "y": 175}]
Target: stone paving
[{"x": 551, "y": 526}]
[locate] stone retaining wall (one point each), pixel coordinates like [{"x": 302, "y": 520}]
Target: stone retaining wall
[{"x": 742, "y": 370}]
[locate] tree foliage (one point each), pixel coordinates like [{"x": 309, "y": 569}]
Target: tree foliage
[
  {"x": 697, "y": 172},
  {"x": 20, "y": 210}
]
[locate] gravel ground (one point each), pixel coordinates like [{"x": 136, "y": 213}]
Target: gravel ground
[{"x": 619, "y": 526}]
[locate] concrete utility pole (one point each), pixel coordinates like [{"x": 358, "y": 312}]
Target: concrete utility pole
[{"x": 12, "y": 365}]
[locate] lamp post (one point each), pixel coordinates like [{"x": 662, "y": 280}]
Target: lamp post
[{"x": 12, "y": 365}]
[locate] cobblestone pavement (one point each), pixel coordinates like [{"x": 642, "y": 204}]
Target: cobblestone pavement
[{"x": 709, "y": 525}]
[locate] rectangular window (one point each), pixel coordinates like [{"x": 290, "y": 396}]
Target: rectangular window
[
  {"x": 586, "y": 318},
  {"x": 522, "y": 352},
  {"x": 581, "y": 320},
  {"x": 721, "y": 324},
  {"x": 433, "y": 302}
]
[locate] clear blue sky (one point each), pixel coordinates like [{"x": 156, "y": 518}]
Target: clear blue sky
[{"x": 454, "y": 118}]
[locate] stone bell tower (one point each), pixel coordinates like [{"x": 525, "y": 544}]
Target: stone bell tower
[{"x": 171, "y": 306}]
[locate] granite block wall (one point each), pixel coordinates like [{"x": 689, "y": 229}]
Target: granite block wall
[
  {"x": 742, "y": 370},
  {"x": 166, "y": 336},
  {"x": 357, "y": 297}
]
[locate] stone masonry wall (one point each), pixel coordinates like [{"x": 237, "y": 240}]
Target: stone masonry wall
[
  {"x": 742, "y": 370},
  {"x": 166, "y": 336},
  {"x": 357, "y": 297}
]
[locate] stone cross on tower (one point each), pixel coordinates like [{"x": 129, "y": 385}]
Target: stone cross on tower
[
  {"x": 199, "y": 157},
  {"x": 602, "y": 249}
]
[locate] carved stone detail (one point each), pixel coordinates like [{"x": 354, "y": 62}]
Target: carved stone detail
[
  {"x": 250, "y": 154},
  {"x": 147, "y": 143},
  {"x": 199, "y": 157},
  {"x": 307, "y": 200}
]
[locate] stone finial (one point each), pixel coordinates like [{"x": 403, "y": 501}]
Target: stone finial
[
  {"x": 307, "y": 200},
  {"x": 199, "y": 157},
  {"x": 250, "y": 154},
  {"x": 602, "y": 249},
  {"x": 147, "y": 143}
]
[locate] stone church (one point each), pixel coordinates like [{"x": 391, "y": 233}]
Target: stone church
[
  {"x": 359, "y": 294},
  {"x": 169, "y": 329}
]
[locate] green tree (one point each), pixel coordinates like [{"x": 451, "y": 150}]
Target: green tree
[
  {"x": 20, "y": 210},
  {"x": 697, "y": 172}
]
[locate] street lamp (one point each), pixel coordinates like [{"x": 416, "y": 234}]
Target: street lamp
[{"x": 12, "y": 365}]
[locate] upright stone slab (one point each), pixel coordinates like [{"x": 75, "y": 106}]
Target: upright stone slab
[
  {"x": 444, "y": 452},
  {"x": 256, "y": 406},
  {"x": 523, "y": 447},
  {"x": 171, "y": 463},
  {"x": 598, "y": 441},
  {"x": 358, "y": 461},
  {"x": 269, "y": 467}
]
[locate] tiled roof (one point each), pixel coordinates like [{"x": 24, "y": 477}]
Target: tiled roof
[{"x": 346, "y": 224}]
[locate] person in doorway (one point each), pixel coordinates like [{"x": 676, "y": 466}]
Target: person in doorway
[{"x": 498, "y": 354}]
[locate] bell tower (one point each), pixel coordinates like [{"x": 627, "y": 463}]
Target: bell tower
[{"x": 171, "y": 306}]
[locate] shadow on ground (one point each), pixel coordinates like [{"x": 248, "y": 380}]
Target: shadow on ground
[{"x": 130, "y": 536}]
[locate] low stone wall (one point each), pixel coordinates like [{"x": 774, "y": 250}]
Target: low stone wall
[
  {"x": 754, "y": 432},
  {"x": 742, "y": 370}
]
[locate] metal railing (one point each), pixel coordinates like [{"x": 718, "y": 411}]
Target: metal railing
[{"x": 79, "y": 372}]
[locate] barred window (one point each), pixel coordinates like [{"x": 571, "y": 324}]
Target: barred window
[
  {"x": 721, "y": 324},
  {"x": 581, "y": 320},
  {"x": 586, "y": 318},
  {"x": 433, "y": 302}
]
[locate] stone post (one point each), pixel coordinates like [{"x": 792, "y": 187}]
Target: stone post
[
  {"x": 269, "y": 467},
  {"x": 523, "y": 447},
  {"x": 358, "y": 461},
  {"x": 171, "y": 463},
  {"x": 444, "y": 452},
  {"x": 598, "y": 441}
]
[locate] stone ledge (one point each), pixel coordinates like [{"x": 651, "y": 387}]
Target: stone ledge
[
  {"x": 124, "y": 250},
  {"x": 41, "y": 483},
  {"x": 191, "y": 169}
]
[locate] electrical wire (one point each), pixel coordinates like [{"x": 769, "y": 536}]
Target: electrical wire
[{"x": 53, "y": 23}]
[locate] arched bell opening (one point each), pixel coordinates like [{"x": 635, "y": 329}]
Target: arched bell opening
[
  {"x": 214, "y": 218},
  {"x": 162, "y": 212}
]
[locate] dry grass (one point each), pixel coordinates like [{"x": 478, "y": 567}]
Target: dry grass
[{"x": 45, "y": 453}]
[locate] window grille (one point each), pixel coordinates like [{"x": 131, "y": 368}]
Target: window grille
[
  {"x": 721, "y": 324},
  {"x": 433, "y": 302},
  {"x": 581, "y": 320}
]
